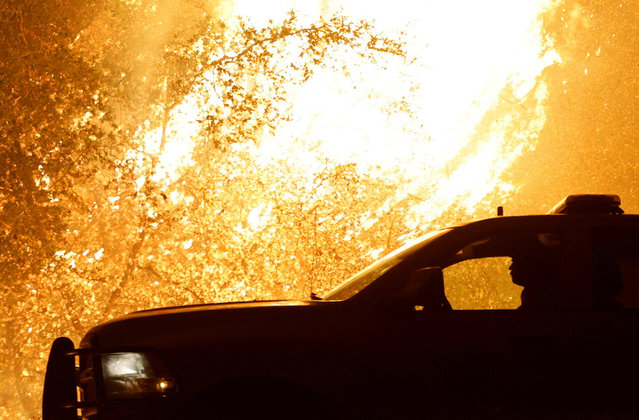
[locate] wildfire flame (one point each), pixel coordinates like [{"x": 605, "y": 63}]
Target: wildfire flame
[
  {"x": 471, "y": 88},
  {"x": 468, "y": 61}
]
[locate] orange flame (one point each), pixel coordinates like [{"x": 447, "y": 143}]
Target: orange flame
[{"x": 444, "y": 127}]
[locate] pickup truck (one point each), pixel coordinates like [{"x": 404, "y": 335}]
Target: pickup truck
[{"x": 507, "y": 317}]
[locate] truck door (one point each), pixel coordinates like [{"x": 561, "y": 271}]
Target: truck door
[
  {"x": 608, "y": 345},
  {"x": 502, "y": 347}
]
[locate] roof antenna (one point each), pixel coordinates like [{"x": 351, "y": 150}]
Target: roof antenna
[{"x": 500, "y": 211}]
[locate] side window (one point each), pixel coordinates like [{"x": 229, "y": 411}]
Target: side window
[
  {"x": 615, "y": 268},
  {"x": 482, "y": 283},
  {"x": 514, "y": 269}
]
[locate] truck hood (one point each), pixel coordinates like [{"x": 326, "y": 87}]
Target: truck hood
[
  {"x": 183, "y": 324},
  {"x": 206, "y": 307}
]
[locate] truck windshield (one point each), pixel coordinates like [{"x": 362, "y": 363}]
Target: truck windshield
[{"x": 365, "y": 277}]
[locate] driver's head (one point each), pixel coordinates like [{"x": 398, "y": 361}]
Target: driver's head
[
  {"x": 536, "y": 267},
  {"x": 533, "y": 263}
]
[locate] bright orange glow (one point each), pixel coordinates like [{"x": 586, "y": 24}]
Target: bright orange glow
[
  {"x": 101, "y": 100},
  {"x": 486, "y": 56},
  {"x": 181, "y": 131}
]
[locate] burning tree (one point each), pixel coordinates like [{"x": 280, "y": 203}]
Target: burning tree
[{"x": 92, "y": 223}]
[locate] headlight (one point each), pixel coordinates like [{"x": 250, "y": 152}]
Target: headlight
[{"x": 134, "y": 375}]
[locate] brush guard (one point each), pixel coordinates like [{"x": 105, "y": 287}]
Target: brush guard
[{"x": 67, "y": 383}]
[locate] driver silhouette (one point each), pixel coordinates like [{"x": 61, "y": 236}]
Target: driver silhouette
[{"x": 536, "y": 268}]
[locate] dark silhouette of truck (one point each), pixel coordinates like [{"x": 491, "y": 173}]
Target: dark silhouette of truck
[{"x": 509, "y": 317}]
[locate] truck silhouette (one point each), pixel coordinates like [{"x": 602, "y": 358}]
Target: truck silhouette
[{"x": 508, "y": 317}]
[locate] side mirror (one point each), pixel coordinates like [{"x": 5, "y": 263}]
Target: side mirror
[{"x": 424, "y": 291}]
